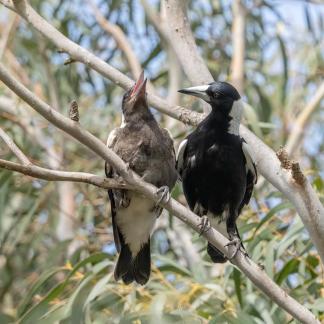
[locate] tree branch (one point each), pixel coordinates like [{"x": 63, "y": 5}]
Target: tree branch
[
  {"x": 55, "y": 175},
  {"x": 184, "y": 45},
  {"x": 120, "y": 39},
  {"x": 14, "y": 148},
  {"x": 238, "y": 45},
  {"x": 247, "y": 266},
  {"x": 296, "y": 134},
  {"x": 6, "y": 34}
]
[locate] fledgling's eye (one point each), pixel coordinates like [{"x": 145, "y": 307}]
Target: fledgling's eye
[{"x": 127, "y": 94}]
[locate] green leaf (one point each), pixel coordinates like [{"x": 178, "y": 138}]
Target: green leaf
[
  {"x": 36, "y": 312},
  {"x": 40, "y": 283},
  {"x": 237, "y": 284},
  {"x": 98, "y": 288},
  {"x": 318, "y": 305},
  {"x": 172, "y": 266},
  {"x": 272, "y": 212},
  {"x": 289, "y": 268}
]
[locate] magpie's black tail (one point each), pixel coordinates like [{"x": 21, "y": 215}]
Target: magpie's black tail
[
  {"x": 216, "y": 255},
  {"x": 137, "y": 268}
]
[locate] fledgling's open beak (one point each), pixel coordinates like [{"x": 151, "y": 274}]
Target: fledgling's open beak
[
  {"x": 199, "y": 91},
  {"x": 139, "y": 89}
]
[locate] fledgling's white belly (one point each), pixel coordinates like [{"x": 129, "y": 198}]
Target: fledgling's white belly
[{"x": 136, "y": 222}]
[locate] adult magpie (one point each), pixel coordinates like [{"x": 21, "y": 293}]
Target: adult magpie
[
  {"x": 148, "y": 150},
  {"x": 216, "y": 165}
]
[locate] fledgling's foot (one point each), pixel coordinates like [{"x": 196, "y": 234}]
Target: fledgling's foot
[
  {"x": 234, "y": 242},
  {"x": 163, "y": 194},
  {"x": 204, "y": 225}
]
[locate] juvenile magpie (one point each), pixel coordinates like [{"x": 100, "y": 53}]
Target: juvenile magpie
[
  {"x": 216, "y": 165},
  {"x": 148, "y": 150}
]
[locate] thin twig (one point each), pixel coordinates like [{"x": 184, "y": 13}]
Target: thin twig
[
  {"x": 55, "y": 175},
  {"x": 120, "y": 38},
  {"x": 7, "y": 32},
  {"x": 14, "y": 148}
]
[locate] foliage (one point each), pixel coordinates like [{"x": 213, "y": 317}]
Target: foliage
[{"x": 44, "y": 279}]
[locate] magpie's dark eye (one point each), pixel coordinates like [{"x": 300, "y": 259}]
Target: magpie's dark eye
[{"x": 215, "y": 95}]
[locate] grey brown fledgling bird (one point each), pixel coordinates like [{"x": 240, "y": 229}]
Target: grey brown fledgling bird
[
  {"x": 216, "y": 165},
  {"x": 148, "y": 150}
]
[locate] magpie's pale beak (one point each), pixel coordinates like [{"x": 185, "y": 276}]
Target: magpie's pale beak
[
  {"x": 139, "y": 89},
  {"x": 199, "y": 91}
]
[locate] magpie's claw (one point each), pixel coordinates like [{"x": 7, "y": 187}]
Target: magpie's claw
[
  {"x": 236, "y": 243},
  {"x": 204, "y": 225},
  {"x": 164, "y": 194}
]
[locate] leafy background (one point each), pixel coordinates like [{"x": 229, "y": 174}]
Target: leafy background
[{"x": 57, "y": 265}]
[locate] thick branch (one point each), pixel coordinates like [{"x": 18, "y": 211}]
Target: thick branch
[
  {"x": 296, "y": 133},
  {"x": 304, "y": 198},
  {"x": 238, "y": 44},
  {"x": 183, "y": 42},
  {"x": 251, "y": 270}
]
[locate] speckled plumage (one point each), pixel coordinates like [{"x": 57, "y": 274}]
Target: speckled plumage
[{"x": 148, "y": 150}]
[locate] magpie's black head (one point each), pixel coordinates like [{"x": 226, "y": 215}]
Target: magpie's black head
[
  {"x": 135, "y": 98},
  {"x": 220, "y": 95}
]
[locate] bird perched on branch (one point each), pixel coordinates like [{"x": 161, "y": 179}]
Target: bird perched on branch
[
  {"x": 216, "y": 165},
  {"x": 148, "y": 150}
]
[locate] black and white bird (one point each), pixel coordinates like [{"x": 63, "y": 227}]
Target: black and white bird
[
  {"x": 148, "y": 150},
  {"x": 216, "y": 165}
]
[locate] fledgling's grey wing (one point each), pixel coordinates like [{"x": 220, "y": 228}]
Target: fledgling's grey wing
[
  {"x": 112, "y": 139},
  {"x": 173, "y": 174}
]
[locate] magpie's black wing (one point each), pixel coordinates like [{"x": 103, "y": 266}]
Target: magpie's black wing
[
  {"x": 180, "y": 158},
  {"x": 251, "y": 173},
  {"x": 187, "y": 174}
]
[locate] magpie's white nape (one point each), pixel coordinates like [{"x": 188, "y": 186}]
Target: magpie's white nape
[{"x": 217, "y": 170}]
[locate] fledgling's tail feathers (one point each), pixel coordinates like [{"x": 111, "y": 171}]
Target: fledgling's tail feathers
[
  {"x": 216, "y": 255},
  {"x": 137, "y": 268}
]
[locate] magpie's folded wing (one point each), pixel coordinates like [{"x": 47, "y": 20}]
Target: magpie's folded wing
[
  {"x": 251, "y": 171},
  {"x": 181, "y": 156}
]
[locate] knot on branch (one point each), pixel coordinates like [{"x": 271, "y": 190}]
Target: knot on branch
[
  {"x": 294, "y": 166},
  {"x": 283, "y": 158},
  {"x": 74, "y": 111},
  {"x": 297, "y": 173},
  {"x": 69, "y": 60}
]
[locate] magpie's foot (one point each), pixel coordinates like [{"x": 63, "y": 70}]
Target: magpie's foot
[
  {"x": 163, "y": 194},
  {"x": 204, "y": 225},
  {"x": 234, "y": 242},
  {"x": 128, "y": 168}
]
